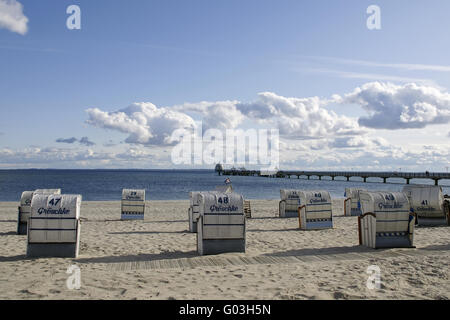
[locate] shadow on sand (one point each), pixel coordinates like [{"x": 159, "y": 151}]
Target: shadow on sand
[
  {"x": 141, "y": 257},
  {"x": 149, "y": 232},
  {"x": 322, "y": 251}
]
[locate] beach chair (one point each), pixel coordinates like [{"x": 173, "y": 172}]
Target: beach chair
[
  {"x": 193, "y": 211},
  {"x": 24, "y": 209},
  {"x": 427, "y": 203},
  {"x": 352, "y": 205},
  {"x": 315, "y": 210},
  {"x": 386, "y": 221},
  {"x": 247, "y": 209},
  {"x": 133, "y": 204},
  {"x": 54, "y": 226},
  {"x": 289, "y": 203},
  {"x": 220, "y": 223}
]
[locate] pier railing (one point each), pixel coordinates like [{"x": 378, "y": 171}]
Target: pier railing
[{"x": 436, "y": 176}]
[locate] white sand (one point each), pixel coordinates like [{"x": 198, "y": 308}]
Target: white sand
[{"x": 157, "y": 259}]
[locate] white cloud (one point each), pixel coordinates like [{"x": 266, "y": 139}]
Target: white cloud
[
  {"x": 125, "y": 157},
  {"x": 299, "y": 117},
  {"x": 393, "y": 106},
  {"x": 312, "y": 136},
  {"x": 363, "y": 141},
  {"x": 12, "y": 17},
  {"x": 217, "y": 115},
  {"x": 144, "y": 122},
  {"x": 368, "y": 153},
  {"x": 388, "y": 106}
]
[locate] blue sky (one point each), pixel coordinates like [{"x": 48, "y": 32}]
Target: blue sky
[{"x": 171, "y": 53}]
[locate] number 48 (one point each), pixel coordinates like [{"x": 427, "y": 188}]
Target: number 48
[{"x": 223, "y": 200}]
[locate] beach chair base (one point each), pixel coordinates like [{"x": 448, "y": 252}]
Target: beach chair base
[
  {"x": 355, "y": 212},
  {"x": 22, "y": 228},
  {"x": 54, "y": 250},
  {"x": 192, "y": 223},
  {"x": 192, "y": 226},
  {"x": 316, "y": 225},
  {"x": 393, "y": 242},
  {"x": 428, "y": 222},
  {"x": 217, "y": 246},
  {"x": 131, "y": 216},
  {"x": 289, "y": 214}
]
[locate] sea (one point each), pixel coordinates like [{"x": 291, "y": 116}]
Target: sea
[{"x": 107, "y": 185}]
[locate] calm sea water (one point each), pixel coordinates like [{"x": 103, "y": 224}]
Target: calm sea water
[{"x": 96, "y": 185}]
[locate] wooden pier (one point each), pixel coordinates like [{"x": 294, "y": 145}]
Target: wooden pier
[{"x": 436, "y": 176}]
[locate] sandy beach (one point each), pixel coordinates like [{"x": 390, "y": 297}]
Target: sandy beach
[{"x": 157, "y": 259}]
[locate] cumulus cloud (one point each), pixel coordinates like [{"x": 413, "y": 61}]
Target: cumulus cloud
[
  {"x": 217, "y": 115},
  {"x": 299, "y": 117},
  {"x": 358, "y": 142},
  {"x": 388, "y": 106},
  {"x": 12, "y": 17},
  {"x": 393, "y": 106},
  {"x": 294, "y": 117},
  {"x": 143, "y": 122}
]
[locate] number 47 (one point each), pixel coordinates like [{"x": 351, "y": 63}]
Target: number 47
[{"x": 54, "y": 202}]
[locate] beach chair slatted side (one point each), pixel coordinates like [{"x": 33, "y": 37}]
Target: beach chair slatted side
[
  {"x": 301, "y": 210},
  {"x": 347, "y": 206},
  {"x": 447, "y": 210}
]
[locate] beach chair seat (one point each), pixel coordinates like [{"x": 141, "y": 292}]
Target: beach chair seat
[
  {"x": 315, "y": 210},
  {"x": 220, "y": 223},
  {"x": 386, "y": 221},
  {"x": 133, "y": 204},
  {"x": 54, "y": 226}
]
